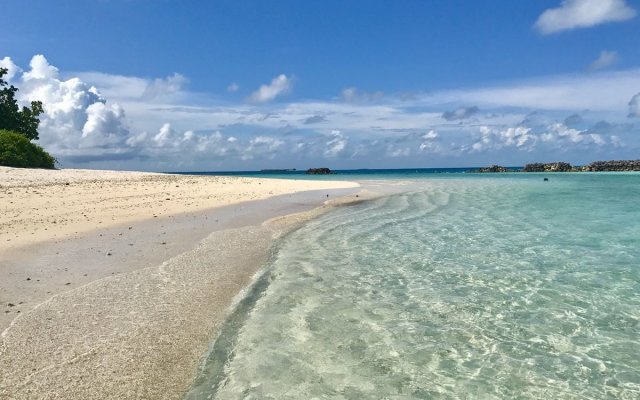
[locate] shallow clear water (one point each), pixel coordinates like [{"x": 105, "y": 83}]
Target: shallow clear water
[{"x": 465, "y": 288}]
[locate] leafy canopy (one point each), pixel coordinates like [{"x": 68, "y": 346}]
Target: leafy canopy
[
  {"x": 18, "y": 151},
  {"x": 23, "y": 121}
]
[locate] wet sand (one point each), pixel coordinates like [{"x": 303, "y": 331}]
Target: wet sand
[{"x": 126, "y": 311}]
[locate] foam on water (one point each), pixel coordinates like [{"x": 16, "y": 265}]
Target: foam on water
[{"x": 507, "y": 288}]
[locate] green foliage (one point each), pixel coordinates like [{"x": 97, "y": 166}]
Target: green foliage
[
  {"x": 23, "y": 121},
  {"x": 18, "y": 151}
]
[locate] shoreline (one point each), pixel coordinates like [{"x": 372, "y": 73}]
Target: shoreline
[{"x": 139, "y": 331}]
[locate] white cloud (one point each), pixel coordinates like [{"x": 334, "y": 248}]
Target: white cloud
[
  {"x": 171, "y": 144},
  {"x": 40, "y": 69},
  {"x": 262, "y": 146},
  {"x": 431, "y": 135},
  {"x": 336, "y": 145},
  {"x": 166, "y": 136},
  {"x": 553, "y": 137},
  {"x": 233, "y": 87},
  {"x": 279, "y": 85},
  {"x": 105, "y": 125},
  {"x": 12, "y": 69},
  {"x": 75, "y": 116},
  {"x": 395, "y": 152},
  {"x": 495, "y": 139},
  {"x": 604, "y": 60},
  {"x": 163, "y": 87},
  {"x": 135, "y": 89},
  {"x": 351, "y": 94},
  {"x": 112, "y": 86},
  {"x": 429, "y": 142},
  {"x": 572, "y": 14},
  {"x": 634, "y": 106},
  {"x": 603, "y": 91},
  {"x": 83, "y": 123}
]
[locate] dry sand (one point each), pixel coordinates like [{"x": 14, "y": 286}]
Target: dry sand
[
  {"x": 40, "y": 205},
  {"x": 112, "y": 300}
]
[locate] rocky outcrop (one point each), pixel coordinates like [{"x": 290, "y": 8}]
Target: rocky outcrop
[
  {"x": 493, "y": 168},
  {"x": 319, "y": 171},
  {"x": 619, "y": 165},
  {"x": 548, "y": 167},
  {"x": 614, "y": 165}
]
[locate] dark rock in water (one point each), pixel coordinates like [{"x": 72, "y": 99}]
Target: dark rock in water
[
  {"x": 493, "y": 168},
  {"x": 548, "y": 167},
  {"x": 619, "y": 165},
  {"x": 319, "y": 171},
  {"x": 546, "y": 179}
]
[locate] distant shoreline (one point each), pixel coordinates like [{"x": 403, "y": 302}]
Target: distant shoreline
[{"x": 596, "y": 166}]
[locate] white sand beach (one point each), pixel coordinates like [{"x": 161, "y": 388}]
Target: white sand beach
[{"x": 112, "y": 284}]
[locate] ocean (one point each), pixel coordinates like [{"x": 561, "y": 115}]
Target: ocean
[{"x": 466, "y": 286}]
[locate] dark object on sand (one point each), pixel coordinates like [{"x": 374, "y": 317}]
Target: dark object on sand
[{"x": 319, "y": 171}]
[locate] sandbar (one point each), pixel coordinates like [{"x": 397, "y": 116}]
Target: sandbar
[{"x": 123, "y": 291}]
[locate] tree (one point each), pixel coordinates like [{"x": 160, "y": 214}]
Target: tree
[
  {"x": 23, "y": 121},
  {"x": 18, "y": 151}
]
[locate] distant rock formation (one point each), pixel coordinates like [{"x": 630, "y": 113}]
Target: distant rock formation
[
  {"x": 620, "y": 165},
  {"x": 493, "y": 168},
  {"x": 548, "y": 167},
  {"x": 319, "y": 171},
  {"x": 614, "y": 165}
]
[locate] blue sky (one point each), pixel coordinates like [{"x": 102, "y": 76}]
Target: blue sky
[{"x": 228, "y": 85}]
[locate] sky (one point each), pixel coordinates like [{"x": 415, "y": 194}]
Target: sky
[{"x": 168, "y": 85}]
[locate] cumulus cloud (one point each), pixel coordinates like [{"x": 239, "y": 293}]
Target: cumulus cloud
[
  {"x": 553, "y": 137},
  {"x": 233, "y": 87},
  {"x": 12, "y": 69},
  {"x": 75, "y": 115},
  {"x": 113, "y": 121},
  {"x": 460, "y": 113},
  {"x": 351, "y": 94},
  {"x": 40, "y": 69},
  {"x": 262, "y": 146},
  {"x": 279, "y": 85},
  {"x": 172, "y": 144},
  {"x": 80, "y": 125},
  {"x": 604, "y": 60},
  {"x": 431, "y": 135},
  {"x": 634, "y": 106},
  {"x": 336, "y": 145},
  {"x": 495, "y": 139},
  {"x": 429, "y": 142},
  {"x": 105, "y": 125},
  {"x": 573, "y": 14}
]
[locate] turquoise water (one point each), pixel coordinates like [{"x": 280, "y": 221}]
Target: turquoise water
[{"x": 509, "y": 288}]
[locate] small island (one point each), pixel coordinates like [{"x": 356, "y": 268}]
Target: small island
[
  {"x": 596, "y": 166},
  {"x": 319, "y": 171}
]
